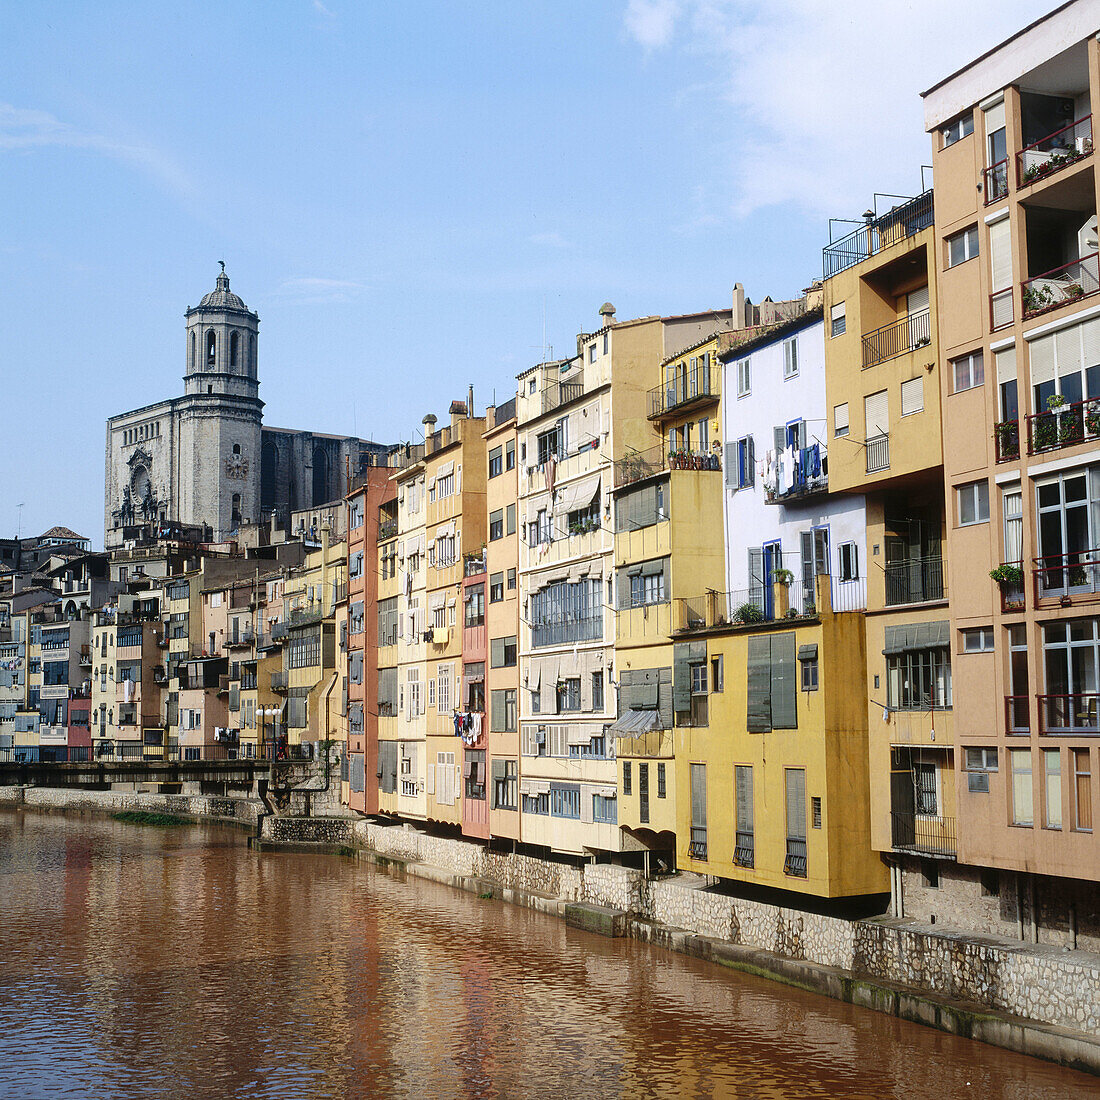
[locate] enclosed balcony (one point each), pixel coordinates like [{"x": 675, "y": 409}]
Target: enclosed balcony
[
  {"x": 1066, "y": 577},
  {"x": 1069, "y": 714},
  {"x": 1062, "y": 261},
  {"x": 686, "y": 389},
  {"x": 934, "y": 836}
]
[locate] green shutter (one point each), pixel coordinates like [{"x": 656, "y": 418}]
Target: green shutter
[
  {"x": 784, "y": 682},
  {"x": 496, "y": 653},
  {"x": 681, "y": 678},
  {"x": 698, "y": 796},
  {"x": 759, "y": 717},
  {"x": 796, "y": 804},
  {"x": 743, "y": 783}
]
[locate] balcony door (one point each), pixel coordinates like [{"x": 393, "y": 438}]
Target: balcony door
[
  {"x": 1071, "y": 659},
  {"x": 914, "y": 565},
  {"x": 917, "y": 312},
  {"x": 1069, "y": 525}
]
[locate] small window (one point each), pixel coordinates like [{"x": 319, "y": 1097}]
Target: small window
[
  {"x": 790, "y": 357},
  {"x": 973, "y": 503},
  {"x": 744, "y": 377},
  {"x": 840, "y": 419},
  {"x": 496, "y": 525},
  {"x": 531, "y": 385},
  {"x": 661, "y": 782},
  {"x": 968, "y": 371},
  {"x": 962, "y": 246},
  {"x": 746, "y": 463},
  {"x": 510, "y": 519},
  {"x": 717, "y": 675},
  {"x": 592, "y": 353},
  {"x": 849, "y": 561},
  {"x": 815, "y": 811},
  {"x": 510, "y": 455},
  {"x": 496, "y": 587},
  {"x": 978, "y": 640},
  {"x": 809, "y": 672},
  {"x": 838, "y": 323},
  {"x": 511, "y": 580},
  {"x": 626, "y": 777},
  {"x": 912, "y": 396},
  {"x": 496, "y": 462},
  {"x": 962, "y": 127},
  {"x": 931, "y": 875}
]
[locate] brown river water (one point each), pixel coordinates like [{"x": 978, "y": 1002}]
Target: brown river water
[{"x": 141, "y": 961}]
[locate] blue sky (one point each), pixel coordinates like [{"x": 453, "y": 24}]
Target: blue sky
[{"x": 416, "y": 196}]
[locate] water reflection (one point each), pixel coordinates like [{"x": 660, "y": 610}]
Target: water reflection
[{"x": 174, "y": 962}]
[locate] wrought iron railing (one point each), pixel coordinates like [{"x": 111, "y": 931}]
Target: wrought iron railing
[
  {"x": 914, "y": 580},
  {"x": 995, "y": 181},
  {"x": 897, "y": 338},
  {"x": 742, "y": 607},
  {"x": 1063, "y": 426},
  {"x": 684, "y": 388},
  {"x": 1058, "y": 576},
  {"x": 795, "y": 863},
  {"x": 744, "y": 852},
  {"x": 898, "y": 224},
  {"x": 560, "y": 393},
  {"x": 913, "y": 832},
  {"x": 639, "y": 465},
  {"x": 1071, "y": 282},
  {"x": 1006, "y": 440},
  {"x": 1054, "y": 152},
  {"x": 1069, "y": 713},
  {"x": 697, "y": 845},
  {"x": 878, "y": 453}
]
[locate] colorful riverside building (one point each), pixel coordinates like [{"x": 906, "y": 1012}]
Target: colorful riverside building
[{"x": 1019, "y": 325}]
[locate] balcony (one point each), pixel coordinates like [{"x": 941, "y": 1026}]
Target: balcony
[
  {"x": 640, "y": 465},
  {"x": 561, "y": 393},
  {"x": 278, "y": 681},
  {"x": 1017, "y": 714},
  {"x": 1043, "y": 158},
  {"x": 1069, "y": 714},
  {"x": 697, "y": 845},
  {"x": 568, "y": 632},
  {"x": 897, "y": 338},
  {"x": 1063, "y": 426},
  {"x": 995, "y": 181},
  {"x": 387, "y": 530},
  {"x": 792, "y": 478},
  {"x": 473, "y": 565},
  {"x": 914, "y": 580},
  {"x": 744, "y": 852},
  {"x": 743, "y": 607},
  {"x": 897, "y": 225},
  {"x": 932, "y": 836},
  {"x": 878, "y": 453},
  {"x": 686, "y": 390},
  {"x": 1006, "y": 440},
  {"x": 1010, "y": 580},
  {"x": 795, "y": 863},
  {"x": 1080, "y": 278},
  {"x": 1066, "y": 576}
]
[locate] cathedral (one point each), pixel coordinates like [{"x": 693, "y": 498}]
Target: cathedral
[{"x": 206, "y": 459}]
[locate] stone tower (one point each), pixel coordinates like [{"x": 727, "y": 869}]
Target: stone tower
[{"x": 220, "y": 415}]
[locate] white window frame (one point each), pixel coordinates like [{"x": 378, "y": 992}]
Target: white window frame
[
  {"x": 978, "y": 639},
  {"x": 975, "y": 371},
  {"x": 790, "y": 358},
  {"x": 838, "y": 320},
  {"x": 838, "y": 430},
  {"x": 972, "y": 489},
  {"x": 969, "y": 239},
  {"x": 744, "y": 377}
]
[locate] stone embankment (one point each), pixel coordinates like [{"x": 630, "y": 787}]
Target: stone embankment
[{"x": 233, "y": 811}]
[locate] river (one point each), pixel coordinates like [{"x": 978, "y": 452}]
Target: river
[{"x": 145, "y": 961}]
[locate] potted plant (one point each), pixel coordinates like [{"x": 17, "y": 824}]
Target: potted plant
[
  {"x": 1008, "y": 576},
  {"x": 1008, "y": 439},
  {"x": 748, "y": 613},
  {"x": 783, "y": 576},
  {"x": 1092, "y": 418}
]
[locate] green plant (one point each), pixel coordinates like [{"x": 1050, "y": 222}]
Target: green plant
[
  {"x": 1055, "y": 401},
  {"x": 783, "y": 576},
  {"x": 1008, "y": 575},
  {"x": 748, "y": 613}
]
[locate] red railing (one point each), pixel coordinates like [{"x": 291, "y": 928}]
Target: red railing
[
  {"x": 995, "y": 180},
  {"x": 1012, "y": 592},
  {"x": 1063, "y": 576},
  {"x": 1069, "y": 713},
  {"x": 1054, "y": 152},
  {"x": 1061, "y": 285},
  {"x": 1000, "y": 309},
  {"x": 1063, "y": 426},
  {"x": 1017, "y": 714},
  {"x": 1006, "y": 439}
]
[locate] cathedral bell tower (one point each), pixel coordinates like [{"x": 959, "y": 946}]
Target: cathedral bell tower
[{"x": 220, "y": 414}]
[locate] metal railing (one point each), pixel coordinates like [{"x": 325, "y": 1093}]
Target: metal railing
[
  {"x": 1063, "y": 426},
  {"x": 560, "y": 393},
  {"x": 697, "y": 845},
  {"x": 1017, "y": 714},
  {"x": 878, "y": 453},
  {"x": 278, "y": 681},
  {"x": 1001, "y": 311},
  {"x": 1077, "y": 279},
  {"x": 387, "y": 530},
  {"x": 742, "y": 607},
  {"x": 1069, "y": 713},
  {"x": 897, "y": 338},
  {"x": 639, "y": 465},
  {"x": 684, "y": 388},
  {"x": 795, "y": 863},
  {"x": 567, "y": 632},
  {"x": 898, "y": 224},
  {"x": 995, "y": 181},
  {"x": 1054, "y": 152},
  {"x": 1012, "y": 591},
  {"x": 914, "y": 580},
  {"x": 1058, "y": 576},
  {"x": 913, "y": 832},
  {"x": 807, "y": 476},
  {"x": 1006, "y": 440},
  {"x": 473, "y": 567},
  {"x": 744, "y": 852}
]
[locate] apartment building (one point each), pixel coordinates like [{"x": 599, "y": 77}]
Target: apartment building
[
  {"x": 60, "y": 650},
  {"x": 1015, "y": 251}
]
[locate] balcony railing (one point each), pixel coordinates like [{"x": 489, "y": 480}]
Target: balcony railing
[
  {"x": 567, "y": 632},
  {"x": 1069, "y": 713},
  {"x": 697, "y": 845},
  {"x": 278, "y": 681},
  {"x": 897, "y": 338},
  {"x": 1006, "y": 440},
  {"x": 387, "y": 530},
  {"x": 806, "y": 476},
  {"x": 690, "y": 387},
  {"x": 878, "y": 453},
  {"x": 1063, "y": 576},
  {"x": 995, "y": 180},
  {"x": 641, "y": 464},
  {"x": 1000, "y": 309},
  {"x": 1012, "y": 591},
  {"x": 1077, "y": 279},
  {"x": 914, "y": 580},
  {"x": 795, "y": 863},
  {"x": 744, "y": 852},
  {"x": 560, "y": 393},
  {"x": 741, "y": 607},
  {"x": 1017, "y": 714},
  {"x": 898, "y": 224},
  {"x": 1063, "y": 426},
  {"x": 1054, "y": 152},
  {"x": 474, "y": 567},
  {"x": 935, "y": 836}
]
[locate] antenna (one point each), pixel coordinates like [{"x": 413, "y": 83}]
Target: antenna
[{"x": 19, "y": 526}]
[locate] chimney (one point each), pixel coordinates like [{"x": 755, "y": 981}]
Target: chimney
[
  {"x": 607, "y": 314},
  {"x": 739, "y": 320},
  {"x": 429, "y": 427},
  {"x": 470, "y": 402}
]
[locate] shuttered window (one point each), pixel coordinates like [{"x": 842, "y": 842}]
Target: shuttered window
[
  {"x": 698, "y": 846},
  {"x": 1000, "y": 255},
  {"x": 772, "y": 683},
  {"x": 684, "y": 655},
  {"x": 796, "y": 821},
  {"x": 759, "y": 718},
  {"x": 742, "y": 782},
  {"x": 912, "y": 396},
  {"x": 840, "y": 419},
  {"x": 876, "y": 414}
]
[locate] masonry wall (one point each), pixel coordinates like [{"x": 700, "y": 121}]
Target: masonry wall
[{"x": 246, "y": 810}]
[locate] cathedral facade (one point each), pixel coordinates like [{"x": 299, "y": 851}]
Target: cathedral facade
[{"x": 205, "y": 459}]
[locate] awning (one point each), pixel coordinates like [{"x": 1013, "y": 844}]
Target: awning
[
  {"x": 445, "y": 470},
  {"x": 578, "y": 735},
  {"x": 578, "y": 494},
  {"x": 636, "y": 722},
  {"x": 532, "y": 787},
  {"x": 808, "y": 652},
  {"x": 901, "y": 639}
]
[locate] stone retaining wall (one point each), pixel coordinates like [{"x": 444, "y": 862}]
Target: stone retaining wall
[{"x": 246, "y": 810}]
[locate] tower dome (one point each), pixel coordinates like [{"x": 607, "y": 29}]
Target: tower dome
[{"x": 221, "y": 297}]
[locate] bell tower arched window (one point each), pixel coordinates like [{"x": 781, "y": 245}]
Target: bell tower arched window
[
  {"x": 234, "y": 340},
  {"x": 235, "y": 516},
  {"x": 211, "y": 349},
  {"x": 252, "y": 355},
  {"x": 193, "y": 353}
]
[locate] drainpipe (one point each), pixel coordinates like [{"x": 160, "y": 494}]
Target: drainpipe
[
  {"x": 1019, "y": 910},
  {"x": 1034, "y": 909}
]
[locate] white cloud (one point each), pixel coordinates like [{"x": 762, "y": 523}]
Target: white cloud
[
  {"x": 318, "y": 291},
  {"x": 818, "y": 104},
  {"x": 550, "y": 240},
  {"x": 322, "y": 10},
  {"x": 651, "y": 22}
]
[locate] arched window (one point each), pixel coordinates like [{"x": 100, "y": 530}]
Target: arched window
[
  {"x": 211, "y": 348},
  {"x": 269, "y": 474},
  {"x": 234, "y": 340},
  {"x": 320, "y": 476},
  {"x": 236, "y": 448},
  {"x": 235, "y": 517},
  {"x": 252, "y": 355},
  {"x": 193, "y": 363}
]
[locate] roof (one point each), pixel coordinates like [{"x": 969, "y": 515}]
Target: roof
[
  {"x": 63, "y": 533},
  {"x": 772, "y": 333},
  {"x": 221, "y": 297}
]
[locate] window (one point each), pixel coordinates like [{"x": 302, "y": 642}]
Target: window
[
  {"x": 532, "y": 383},
  {"x": 772, "y": 692},
  {"x": 815, "y": 812},
  {"x": 443, "y": 689},
  {"x": 496, "y": 462},
  {"x": 510, "y": 455},
  {"x": 973, "y": 503},
  {"x": 849, "y": 561},
  {"x": 704, "y": 435},
  {"x": 1052, "y": 775},
  {"x": 595, "y": 747},
  {"x": 744, "y": 377},
  {"x": 912, "y": 396},
  {"x": 592, "y": 353},
  {"x": 662, "y": 784},
  {"x": 1022, "y": 804},
  {"x": 605, "y": 809},
  {"x": 496, "y": 525},
  {"x": 918, "y": 679},
  {"x": 552, "y": 443},
  {"x": 503, "y": 711},
  {"x": 445, "y": 486},
  {"x": 569, "y": 694},
  {"x": 510, "y": 519},
  {"x": 717, "y": 675},
  {"x": 355, "y": 566},
  {"x": 795, "y": 781},
  {"x": 540, "y": 529},
  {"x": 505, "y": 784},
  {"x": 565, "y": 802},
  {"x": 962, "y": 246},
  {"x": 978, "y": 640},
  {"x": 475, "y": 606},
  {"x": 746, "y": 463},
  {"x": 566, "y": 612},
  {"x": 968, "y": 371},
  {"x": 355, "y": 513},
  {"x": 647, "y": 589},
  {"x": 626, "y": 777},
  {"x": 807, "y": 660},
  {"x": 962, "y": 127},
  {"x": 925, "y": 786},
  {"x": 837, "y": 322},
  {"x": 597, "y": 691},
  {"x": 502, "y": 652},
  {"x": 511, "y": 580},
  {"x": 496, "y": 587},
  {"x": 697, "y": 845},
  {"x": 1082, "y": 791},
  {"x": 790, "y": 357},
  {"x": 840, "y": 419}
]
